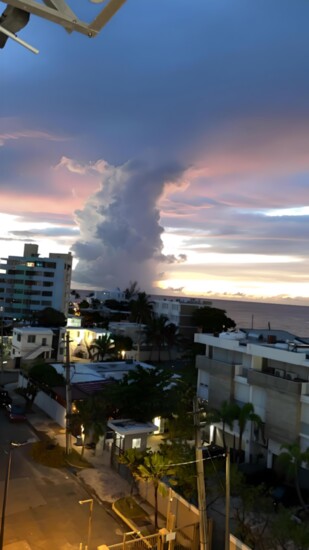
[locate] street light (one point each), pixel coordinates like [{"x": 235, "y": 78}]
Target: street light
[
  {"x": 6, "y": 487},
  {"x": 90, "y": 502}
]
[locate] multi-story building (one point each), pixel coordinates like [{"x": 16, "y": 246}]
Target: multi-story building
[
  {"x": 179, "y": 312},
  {"x": 29, "y": 283},
  {"x": 269, "y": 369}
]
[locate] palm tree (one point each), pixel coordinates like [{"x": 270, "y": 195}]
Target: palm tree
[
  {"x": 132, "y": 458},
  {"x": 291, "y": 459},
  {"x": 132, "y": 290},
  {"x": 141, "y": 308},
  {"x": 227, "y": 413},
  {"x": 246, "y": 414},
  {"x": 156, "y": 333},
  {"x": 101, "y": 346},
  {"x": 171, "y": 336},
  {"x": 154, "y": 469}
]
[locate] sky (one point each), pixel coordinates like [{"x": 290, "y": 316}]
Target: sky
[{"x": 171, "y": 149}]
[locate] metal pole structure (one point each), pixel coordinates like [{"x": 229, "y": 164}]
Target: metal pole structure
[
  {"x": 1, "y": 350},
  {"x": 68, "y": 393},
  {"x": 227, "y": 499},
  {"x": 5, "y": 494},
  {"x": 90, "y": 502},
  {"x": 200, "y": 477}
]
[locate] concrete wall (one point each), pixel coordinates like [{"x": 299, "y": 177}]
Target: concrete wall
[
  {"x": 186, "y": 514},
  {"x": 46, "y": 403},
  {"x": 236, "y": 544}
]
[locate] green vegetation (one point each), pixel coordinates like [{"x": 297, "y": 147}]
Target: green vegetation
[
  {"x": 129, "y": 508},
  {"x": 50, "y": 317},
  {"x": 51, "y": 454},
  {"x": 153, "y": 468},
  {"x": 211, "y": 319}
]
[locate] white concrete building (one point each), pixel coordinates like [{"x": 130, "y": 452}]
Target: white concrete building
[
  {"x": 31, "y": 343},
  {"x": 179, "y": 312},
  {"x": 269, "y": 369},
  {"x": 29, "y": 283}
]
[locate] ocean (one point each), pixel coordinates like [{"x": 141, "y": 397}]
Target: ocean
[{"x": 261, "y": 315}]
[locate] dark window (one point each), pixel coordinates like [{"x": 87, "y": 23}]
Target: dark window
[
  {"x": 49, "y": 274},
  {"x": 44, "y": 341},
  {"x": 31, "y": 339},
  {"x": 18, "y": 337},
  {"x": 47, "y": 293}
]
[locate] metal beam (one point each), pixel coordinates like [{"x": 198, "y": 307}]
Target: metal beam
[
  {"x": 57, "y": 11},
  {"x": 106, "y": 14}
]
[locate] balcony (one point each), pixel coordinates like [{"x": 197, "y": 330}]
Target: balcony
[
  {"x": 269, "y": 380},
  {"x": 215, "y": 367}
]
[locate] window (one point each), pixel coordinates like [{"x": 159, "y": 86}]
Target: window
[
  {"x": 31, "y": 339},
  {"x": 47, "y": 283},
  {"x": 44, "y": 341},
  {"x": 18, "y": 337},
  {"x": 136, "y": 443},
  {"x": 49, "y": 274},
  {"x": 47, "y": 293}
]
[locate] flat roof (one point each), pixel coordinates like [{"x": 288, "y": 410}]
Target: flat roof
[{"x": 130, "y": 427}]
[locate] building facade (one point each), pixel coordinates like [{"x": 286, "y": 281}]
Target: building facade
[
  {"x": 179, "y": 312},
  {"x": 29, "y": 283},
  {"x": 269, "y": 369}
]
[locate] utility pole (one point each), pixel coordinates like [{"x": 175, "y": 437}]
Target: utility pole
[
  {"x": 200, "y": 477},
  {"x": 227, "y": 499},
  {"x": 1, "y": 349},
  {"x": 68, "y": 394}
]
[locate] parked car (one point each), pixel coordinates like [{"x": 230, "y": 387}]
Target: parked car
[
  {"x": 5, "y": 398},
  {"x": 16, "y": 413}
]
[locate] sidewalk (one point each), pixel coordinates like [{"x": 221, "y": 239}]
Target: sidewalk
[{"x": 101, "y": 480}]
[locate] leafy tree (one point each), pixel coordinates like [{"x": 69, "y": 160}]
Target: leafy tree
[
  {"x": 122, "y": 343},
  {"x": 91, "y": 414},
  {"x": 84, "y": 304},
  {"x": 142, "y": 394},
  {"x": 50, "y": 317},
  {"x": 284, "y": 531},
  {"x": 291, "y": 458},
  {"x": 212, "y": 319},
  {"x": 154, "y": 469},
  {"x": 43, "y": 374},
  {"x": 183, "y": 455},
  {"x": 101, "y": 346}
]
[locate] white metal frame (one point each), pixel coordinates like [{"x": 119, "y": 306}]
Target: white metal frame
[{"x": 59, "y": 12}]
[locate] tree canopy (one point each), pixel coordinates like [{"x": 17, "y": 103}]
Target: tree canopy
[
  {"x": 211, "y": 319},
  {"x": 142, "y": 394},
  {"x": 50, "y": 317}
]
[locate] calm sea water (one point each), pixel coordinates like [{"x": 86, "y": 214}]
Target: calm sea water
[{"x": 294, "y": 319}]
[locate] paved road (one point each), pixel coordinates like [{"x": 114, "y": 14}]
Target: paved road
[{"x": 42, "y": 505}]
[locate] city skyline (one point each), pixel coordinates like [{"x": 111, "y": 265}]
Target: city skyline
[{"x": 171, "y": 149}]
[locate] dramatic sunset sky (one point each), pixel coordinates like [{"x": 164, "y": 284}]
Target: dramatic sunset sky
[{"x": 172, "y": 149}]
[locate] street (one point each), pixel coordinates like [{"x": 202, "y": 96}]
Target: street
[{"x": 43, "y": 503}]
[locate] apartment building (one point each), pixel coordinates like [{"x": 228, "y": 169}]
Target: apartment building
[
  {"x": 179, "y": 311},
  {"x": 29, "y": 283},
  {"x": 269, "y": 369}
]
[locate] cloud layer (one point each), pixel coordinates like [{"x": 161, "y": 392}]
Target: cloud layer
[{"x": 171, "y": 149}]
